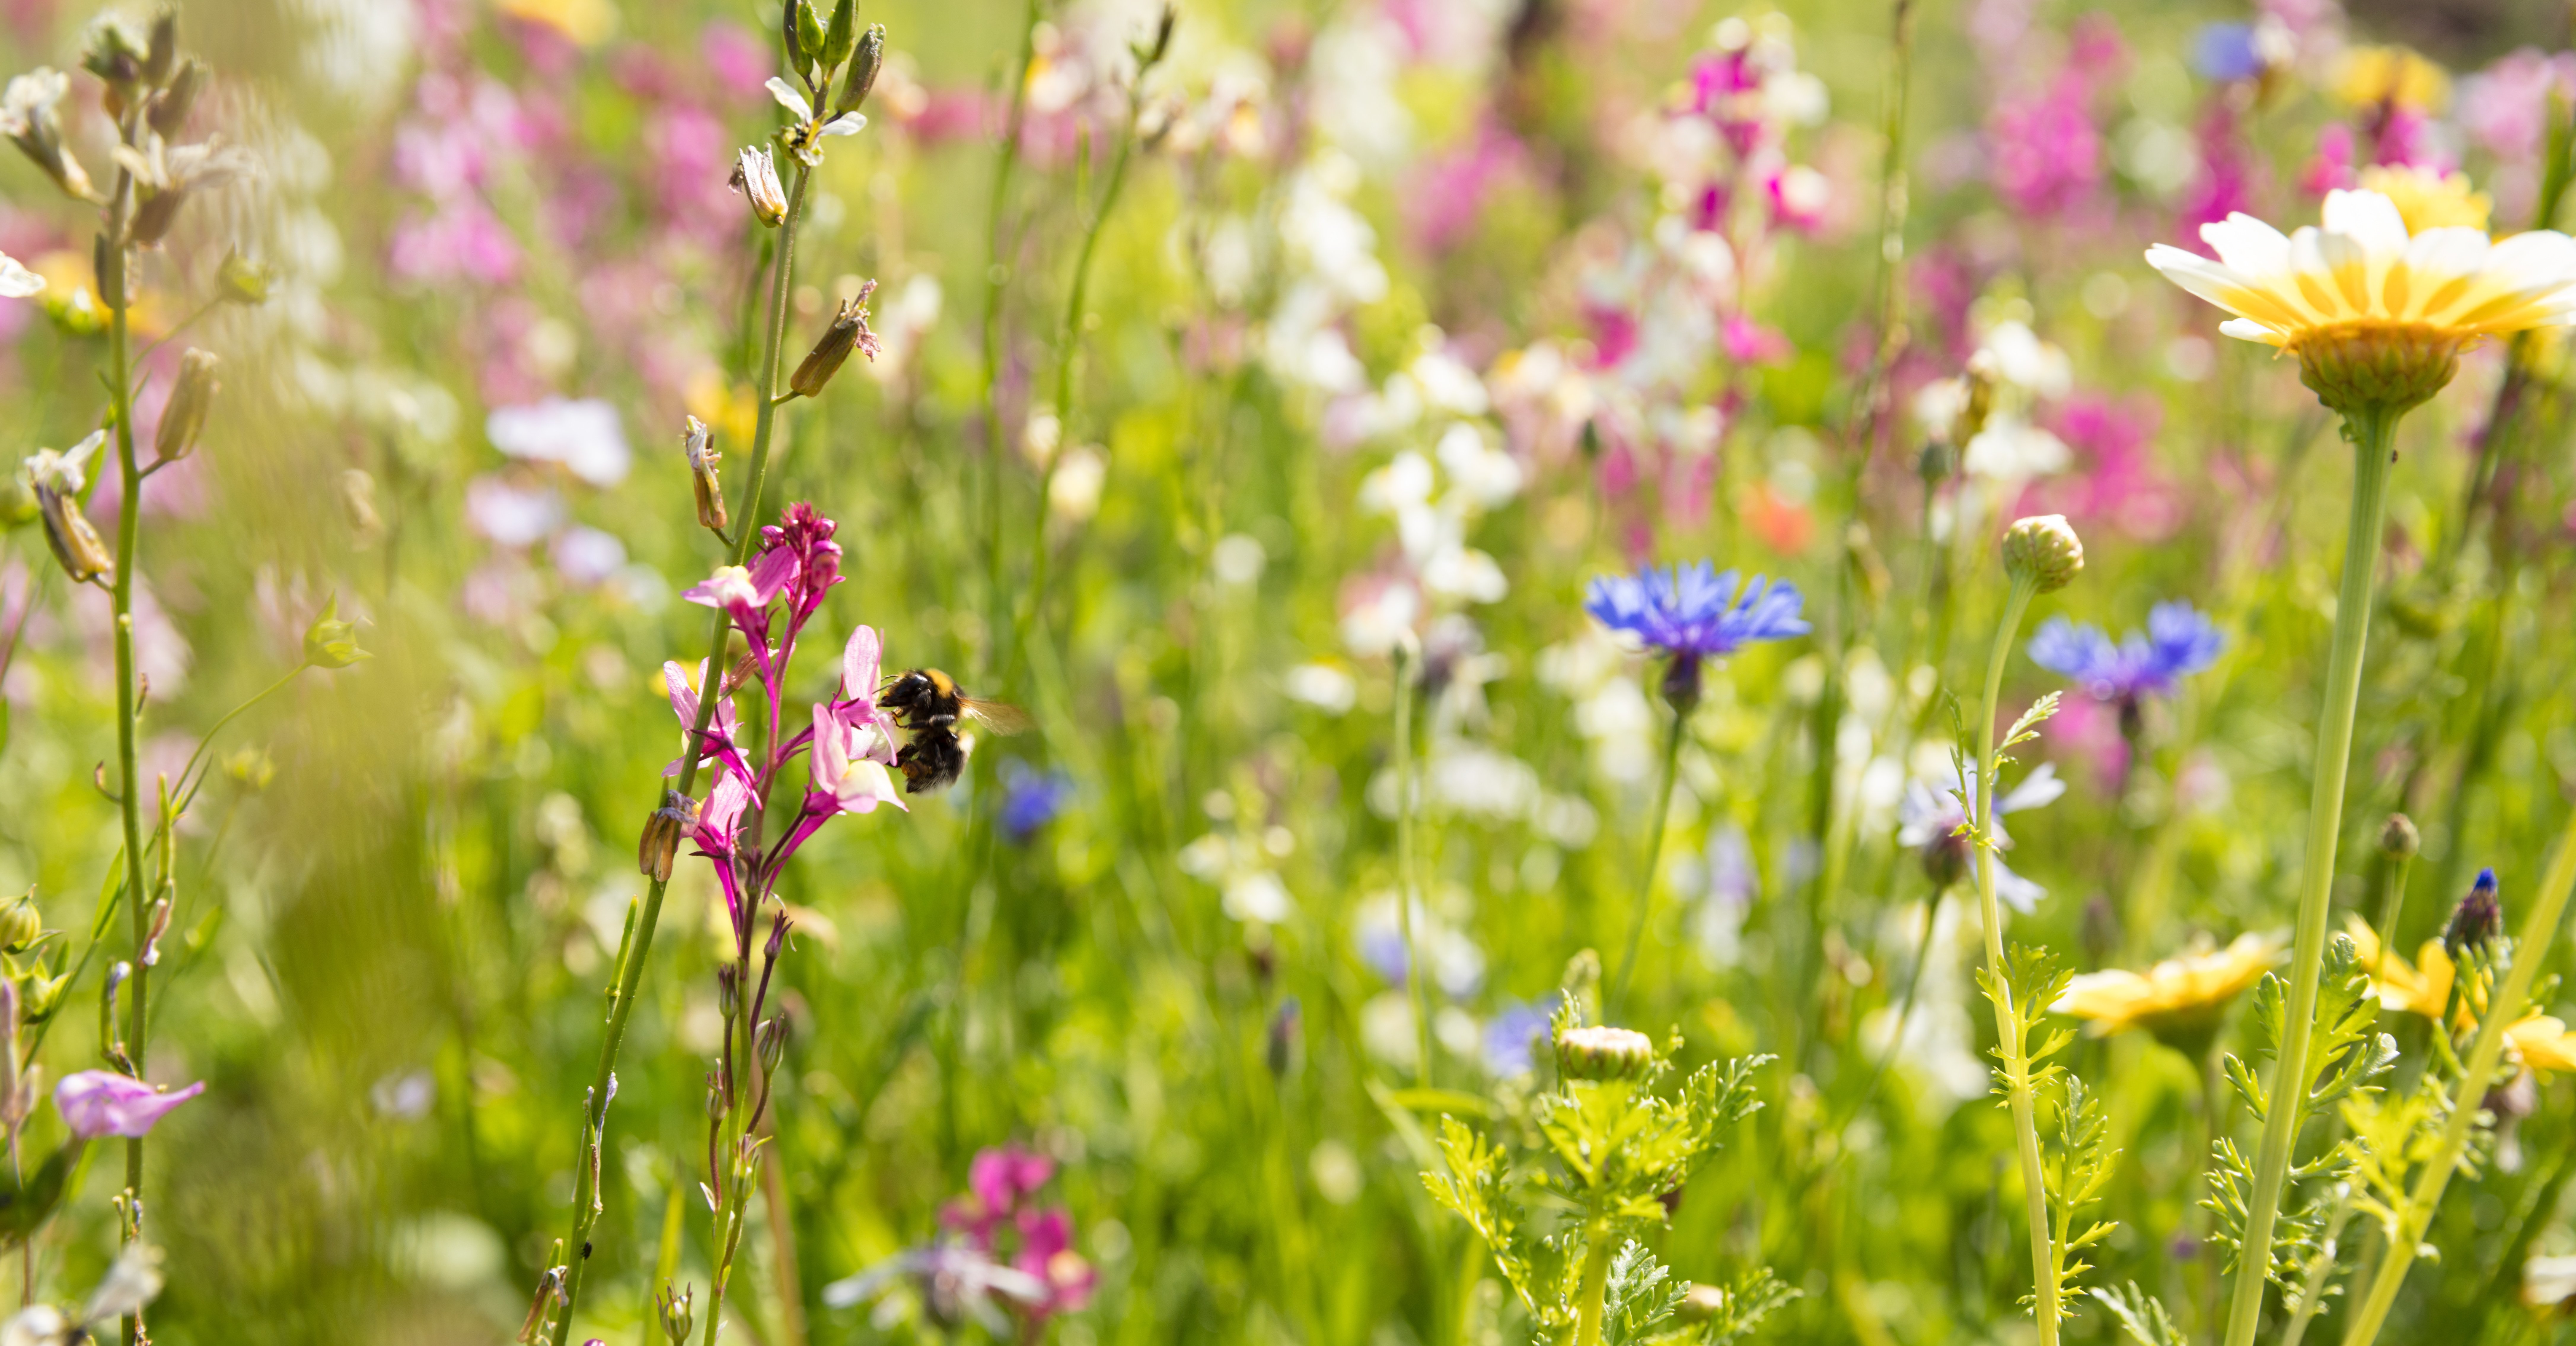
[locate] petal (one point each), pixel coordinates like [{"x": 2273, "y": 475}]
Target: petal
[
  {"x": 2246, "y": 329},
  {"x": 2039, "y": 787},
  {"x": 2247, "y": 245},
  {"x": 790, "y": 99},
  {"x": 862, "y": 664},
  {"x": 2368, "y": 218},
  {"x": 847, "y": 124}
]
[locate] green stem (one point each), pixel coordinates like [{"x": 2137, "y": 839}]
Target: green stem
[
  {"x": 1066, "y": 348},
  {"x": 188, "y": 792},
  {"x": 630, "y": 960},
  {"x": 2373, "y": 433},
  {"x": 2012, "y": 1047},
  {"x": 1656, "y": 826},
  {"x": 1589, "y": 1299},
  {"x": 1415, "y": 972},
  {"x": 2530, "y": 953}
]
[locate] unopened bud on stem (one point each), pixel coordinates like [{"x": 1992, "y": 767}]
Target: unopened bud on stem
[
  {"x": 662, "y": 833},
  {"x": 1603, "y": 1053},
  {"x": 21, "y": 925},
  {"x": 696, "y": 442},
  {"x": 2477, "y": 920},
  {"x": 331, "y": 642},
  {"x": 864, "y": 65},
  {"x": 2044, "y": 550},
  {"x": 2398, "y": 839},
  {"x": 848, "y": 332},
  {"x": 770, "y": 1043},
  {"x": 755, "y": 175},
  {"x": 183, "y": 421}
]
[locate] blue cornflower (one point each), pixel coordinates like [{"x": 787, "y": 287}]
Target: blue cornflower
[
  {"x": 2226, "y": 51},
  {"x": 2178, "y": 643},
  {"x": 1694, "y": 612},
  {"x": 1031, "y": 800},
  {"x": 1513, "y": 1032}
]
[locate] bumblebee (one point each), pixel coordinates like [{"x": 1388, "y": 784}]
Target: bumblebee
[{"x": 927, "y": 704}]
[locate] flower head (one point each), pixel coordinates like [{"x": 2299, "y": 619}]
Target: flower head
[
  {"x": 804, "y": 137},
  {"x": 1694, "y": 610},
  {"x": 2423, "y": 987},
  {"x": 1031, "y": 800},
  {"x": 849, "y": 766},
  {"x": 2377, "y": 315},
  {"x": 2427, "y": 199},
  {"x": 2543, "y": 1043},
  {"x": 2177, "y": 643},
  {"x": 101, "y": 1103},
  {"x": 2178, "y": 999},
  {"x": 1600, "y": 1052},
  {"x": 2475, "y": 922},
  {"x": 1929, "y": 821}
]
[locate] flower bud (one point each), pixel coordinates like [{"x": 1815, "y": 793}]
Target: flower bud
[
  {"x": 17, "y": 501},
  {"x": 719, "y": 1097},
  {"x": 252, "y": 767},
  {"x": 694, "y": 442},
  {"x": 802, "y": 26},
  {"x": 864, "y": 65},
  {"x": 841, "y": 35},
  {"x": 27, "y": 117},
  {"x": 330, "y": 642},
  {"x": 1603, "y": 1053},
  {"x": 1701, "y": 1304},
  {"x": 161, "y": 49},
  {"x": 183, "y": 421},
  {"x": 677, "y": 1316},
  {"x": 43, "y": 996},
  {"x": 243, "y": 281},
  {"x": 169, "y": 115},
  {"x": 848, "y": 332},
  {"x": 2398, "y": 839},
  {"x": 1150, "y": 54},
  {"x": 2477, "y": 920},
  {"x": 76, "y": 544},
  {"x": 728, "y": 992},
  {"x": 2044, "y": 550},
  {"x": 21, "y": 925},
  {"x": 662, "y": 833},
  {"x": 755, "y": 175},
  {"x": 114, "y": 54},
  {"x": 769, "y": 1041}
]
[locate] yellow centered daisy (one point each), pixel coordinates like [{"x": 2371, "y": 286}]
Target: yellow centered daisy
[
  {"x": 2376, "y": 315},
  {"x": 2427, "y": 200},
  {"x": 2177, "y": 999}
]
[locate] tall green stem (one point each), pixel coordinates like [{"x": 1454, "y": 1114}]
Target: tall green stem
[
  {"x": 2373, "y": 434},
  {"x": 1655, "y": 828},
  {"x": 1406, "y": 661},
  {"x": 1590, "y": 1296},
  {"x": 630, "y": 959},
  {"x": 114, "y": 287},
  {"x": 2530, "y": 954},
  {"x": 2016, "y": 1065}
]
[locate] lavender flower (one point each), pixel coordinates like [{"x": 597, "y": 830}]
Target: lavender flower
[
  {"x": 1031, "y": 800},
  {"x": 101, "y": 1103},
  {"x": 2178, "y": 642},
  {"x": 1510, "y": 1034},
  {"x": 1694, "y": 612}
]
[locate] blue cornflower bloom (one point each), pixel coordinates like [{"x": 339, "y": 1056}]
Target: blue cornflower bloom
[
  {"x": 1031, "y": 800},
  {"x": 1513, "y": 1032},
  {"x": 2226, "y": 51},
  {"x": 1694, "y": 612},
  {"x": 2178, "y": 642}
]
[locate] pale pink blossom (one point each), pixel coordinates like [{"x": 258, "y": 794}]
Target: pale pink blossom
[{"x": 101, "y": 1103}]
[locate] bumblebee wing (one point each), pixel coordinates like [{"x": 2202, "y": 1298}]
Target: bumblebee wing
[{"x": 997, "y": 716}]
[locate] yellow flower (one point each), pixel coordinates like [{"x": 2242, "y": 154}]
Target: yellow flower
[
  {"x": 2377, "y": 316},
  {"x": 2175, "y": 997},
  {"x": 2543, "y": 1043},
  {"x": 2401, "y": 986},
  {"x": 2429, "y": 200},
  {"x": 732, "y": 409},
  {"x": 2392, "y": 75},
  {"x": 584, "y": 22}
]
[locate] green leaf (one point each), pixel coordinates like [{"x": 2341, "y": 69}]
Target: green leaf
[
  {"x": 2140, "y": 1315},
  {"x": 1639, "y": 1296},
  {"x": 1742, "y": 1305}
]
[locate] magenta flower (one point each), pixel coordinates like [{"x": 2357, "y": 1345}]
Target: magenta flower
[
  {"x": 101, "y": 1103},
  {"x": 849, "y": 762},
  {"x": 722, "y": 730},
  {"x": 2047, "y": 156}
]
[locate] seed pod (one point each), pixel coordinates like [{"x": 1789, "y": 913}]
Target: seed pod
[
  {"x": 848, "y": 332},
  {"x": 728, "y": 992},
  {"x": 183, "y": 421},
  {"x": 695, "y": 442},
  {"x": 1603, "y": 1053},
  {"x": 2045, "y": 550},
  {"x": 841, "y": 35},
  {"x": 865, "y": 62},
  {"x": 75, "y": 543},
  {"x": 662, "y": 833}
]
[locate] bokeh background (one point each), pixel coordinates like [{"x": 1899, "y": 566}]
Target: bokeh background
[{"x": 1414, "y": 316}]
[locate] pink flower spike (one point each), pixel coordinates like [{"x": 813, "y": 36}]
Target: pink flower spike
[
  {"x": 101, "y": 1103},
  {"x": 721, "y": 731},
  {"x": 729, "y": 588}
]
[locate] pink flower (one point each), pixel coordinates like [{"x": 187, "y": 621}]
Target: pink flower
[
  {"x": 849, "y": 762},
  {"x": 101, "y": 1103},
  {"x": 1750, "y": 343},
  {"x": 740, "y": 61},
  {"x": 1450, "y": 192},
  {"x": 721, "y": 730},
  {"x": 2046, "y": 154},
  {"x": 2331, "y": 167}
]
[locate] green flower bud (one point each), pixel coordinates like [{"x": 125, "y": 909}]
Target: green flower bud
[
  {"x": 769, "y": 1041},
  {"x": 1603, "y": 1053},
  {"x": 242, "y": 280},
  {"x": 21, "y": 925},
  {"x": 183, "y": 421},
  {"x": 41, "y": 996},
  {"x": 841, "y": 35},
  {"x": 677, "y": 1315},
  {"x": 1701, "y": 1304},
  {"x": 804, "y": 30},
  {"x": 2044, "y": 550},
  {"x": 330, "y": 642},
  {"x": 2398, "y": 839},
  {"x": 864, "y": 65}
]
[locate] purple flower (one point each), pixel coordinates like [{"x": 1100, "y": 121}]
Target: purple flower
[
  {"x": 1929, "y": 819},
  {"x": 1510, "y": 1034},
  {"x": 1694, "y": 611},
  {"x": 2225, "y": 52},
  {"x": 101, "y": 1103},
  {"x": 1031, "y": 800},
  {"x": 2178, "y": 642}
]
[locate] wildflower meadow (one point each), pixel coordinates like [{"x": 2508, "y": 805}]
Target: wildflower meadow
[{"x": 1391, "y": 672}]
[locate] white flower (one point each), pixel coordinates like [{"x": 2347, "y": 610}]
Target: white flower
[
  {"x": 1929, "y": 819},
  {"x": 64, "y": 472},
  {"x": 584, "y": 436},
  {"x": 16, "y": 281},
  {"x": 805, "y": 138}
]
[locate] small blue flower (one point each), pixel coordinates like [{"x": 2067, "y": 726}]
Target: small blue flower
[
  {"x": 1512, "y": 1033},
  {"x": 2178, "y": 643},
  {"x": 2225, "y": 52},
  {"x": 1031, "y": 800},
  {"x": 1695, "y": 612}
]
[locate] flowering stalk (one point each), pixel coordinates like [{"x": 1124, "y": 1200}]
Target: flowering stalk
[
  {"x": 1069, "y": 342},
  {"x": 2373, "y": 429},
  {"x": 1406, "y": 660},
  {"x": 1656, "y": 825},
  {"x": 2530, "y": 954},
  {"x": 2016, "y": 1061},
  {"x": 639, "y": 944}
]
